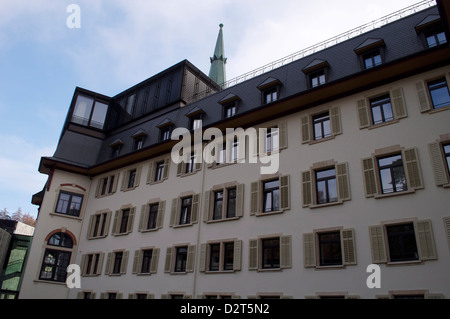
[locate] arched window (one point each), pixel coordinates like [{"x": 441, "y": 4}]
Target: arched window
[{"x": 56, "y": 257}]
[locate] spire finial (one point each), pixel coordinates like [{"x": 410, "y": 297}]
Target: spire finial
[
  {"x": 217, "y": 71},
  {"x": 221, "y": 25}
]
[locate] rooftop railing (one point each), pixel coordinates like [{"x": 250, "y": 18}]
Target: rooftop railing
[{"x": 375, "y": 24}]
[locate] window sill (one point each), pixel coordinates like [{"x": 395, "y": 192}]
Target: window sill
[
  {"x": 188, "y": 174},
  {"x": 212, "y": 272},
  {"x": 441, "y": 109},
  {"x": 130, "y": 189},
  {"x": 120, "y": 234},
  {"x": 181, "y": 226},
  {"x": 43, "y": 281},
  {"x": 330, "y": 267},
  {"x": 446, "y": 186},
  {"x": 157, "y": 182},
  {"x": 67, "y": 216},
  {"x": 325, "y": 139},
  {"x": 314, "y": 206},
  {"x": 407, "y": 192},
  {"x": 214, "y": 221},
  {"x": 269, "y": 269},
  {"x": 216, "y": 166},
  {"x": 375, "y": 126},
  {"x": 404, "y": 263},
  {"x": 98, "y": 237},
  {"x": 148, "y": 230},
  {"x": 260, "y": 214}
]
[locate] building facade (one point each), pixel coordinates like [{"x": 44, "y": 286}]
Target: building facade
[{"x": 360, "y": 136}]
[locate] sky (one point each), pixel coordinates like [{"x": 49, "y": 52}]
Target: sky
[{"x": 120, "y": 43}]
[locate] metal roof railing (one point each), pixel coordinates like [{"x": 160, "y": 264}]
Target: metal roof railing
[{"x": 375, "y": 24}]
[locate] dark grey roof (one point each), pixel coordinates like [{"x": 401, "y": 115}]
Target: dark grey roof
[{"x": 399, "y": 38}]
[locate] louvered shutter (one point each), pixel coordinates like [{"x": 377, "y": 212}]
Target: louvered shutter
[
  {"x": 285, "y": 252},
  {"x": 253, "y": 254},
  {"x": 155, "y": 260},
  {"x": 254, "y": 205},
  {"x": 240, "y": 200},
  {"x": 309, "y": 250},
  {"x": 413, "y": 168},
  {"x": 307, "y": 189},
  {"x": 206, "y": 206},
  {"x": 237, "y": 255},
  {"x": 377, "y": 244},
  {"x": 335, "y": 119},
  {"x": 422, "y": 94},
  {"x": 398, "y": 103},
  {"x": 283, "y": 134},
  {"x": 369, "y": 175},
  {"x": 440, "y": 171},
  {"x": 363, "y": 114},
  {"x": 306, "y": 132},
  {"x": 427, "y": 248},
  {"x": 284, "y": 193},
  {"x": 348, "y": 245},
  {"x": 343, "y": 181},
  {"x": 190, "y": 261}
]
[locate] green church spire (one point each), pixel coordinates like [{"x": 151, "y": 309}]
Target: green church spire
[{"x": 217, "y": 71}]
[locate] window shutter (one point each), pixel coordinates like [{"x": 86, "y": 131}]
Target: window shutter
[
  {"x": 447, "y": 229},
  {"x": 207, "y": 206},
  {"x": 190, "y": 259},
  {"x": 254, "y": 205},
  {"x": 309, "y": 250},
  {"x": 131, "y": 220},
  {"x": 253, "y": 254},
  {"x": 195, "y": 208},
  {"x": 116, "y": 222},
  {"x": 427, "y": 248},
  {"x": 348, "y": 245},
  {"x": 370, "y": 181},
  {"x": 306, "y": 138},
  {"x": 83, "y": 265},
  {"x": 413, "y": 168},
  {"x": 434, "y": 296},
  {"x": 173, "y": 214},
  {"x": 307, "y": 188},
  {"x": 423, "y": 97},
  {"x": 91, "y": 226},
  {"x": 237, "y": 255},
  {"x": 115, "y": 183},
  {"x": 284, "y": 192},
  {"x": 437, "y": 160},
  {"x": 136, "y": 261},
  {"x": 377, "y": 244},
  {"x": 283, "y": 134},
  {"x": 343, "y": 181},
  {"x": 202, "y": 260},
  {"x": 125, "y": 180},
  {"x": 124, "y": 263},
  {"x": 180, "y": 168},
  {"x": 100, "y": 264},
  {"x": 143, "y": 218},
  {"x": 103, "y": 295},
  {"x": 240, "y": 200},
  {"x": 155, "y": 260},
  {"x": 137, "y": 179},
  {"x": 99, "y": 185},
  {"x": 363, "y": 114},
  {"x": 286, "y": 252},
  {"x": 168, "y": 263},
  {"x": 108, "y": 221},
  {"x": 398, "y": 103},
  {"x": 335, "y": 119},
  {"x": 151, "y": 173},
  {"x": 166, "y": 168},
  {"x": 108, "y": 264},
  {"x": 160, "y": 217}
]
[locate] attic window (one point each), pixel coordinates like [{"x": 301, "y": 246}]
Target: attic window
[
  {"x": 230, "y": 105},
  {"x": 139, "y": 138},
  {"x": 316, "y": 73},
  {"x": 371, "y": 53},
  {"x": 116, "y": 147},
  {"x": 90, "y": 113},
  {"x": 431, "y": 31},
  {"x": 195, "y": 118},
  {"x": 270, "y": 90}
]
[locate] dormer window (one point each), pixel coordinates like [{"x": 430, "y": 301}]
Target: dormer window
[
  {"x": 195, "y": 118},
  {"x": 139, "y": 138},
  {"x": 316, "y": 73},
  {"x": 89, "y": 112},
  {"x": 165, "y": 130},
  {"x": 371, "y": 53},
  {"x": 116, "y": 147},
  {"x": 431, "y": 31},
  {"x": 230, "y": 105},
  {"x": 270, "y": 90}
]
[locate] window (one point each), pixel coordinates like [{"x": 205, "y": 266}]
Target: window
[
  {"x": 270, "y": 95},
  {"x": 270, "y": 196},
  {"x": 165, "y": 133},
  {"x": 440, "y": 95},
  {"x": 392, "y": 174},
  {"x": 99, "y": 225},
  {"x": 152, "y": 216},
  {"x": 435, "y": 37},
  {"x": 226, "y": 203},
  {"x": 116, "y": 150},
  {"x": 117, "y": 262},
  {"x": 123, "y": 221},
  {"x": 57, "y": 257},
  {"x": 146, "y": 261},
  {"x": 189, "y": 167},
  {"x": 107, "y": 185},
  {"x": 138, "y": 143},
  {"x": 317, "y": 78},
  {"x": 330, "y": 253},
  {"x": 131, "y": 179},
  {"x": 196, "y": 122},
  {"x": 229, "y": 110},
  {"x": 329, "y": 248},
  {"x": 326, "y": 188},
  {"x": 381, "y": 110},
  {"x": 322, "y": 126},
  {"x": 69, "y": 204},
  {"x": 393, "y": 170},
  {"x": 326, "y": 183},
  {"x": 91, "y": 264},
  {"x": 447, "y": 156},
  {"x": 275, "y": 138},
  {"x": 272, "y": 140},
  {"x": 180, "y": 259},
  {"x": 130, "y": 104},
  {"x": 372, "y": 59},
  {"x": 396, "y": 242},
  {"x": 88, "y": 112},
  {"x": 270, "y": 253},
  {"x": 184, "y": 211},
  {"x": 221, "y": 256},
  {"x": 158, "y": 171}
]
